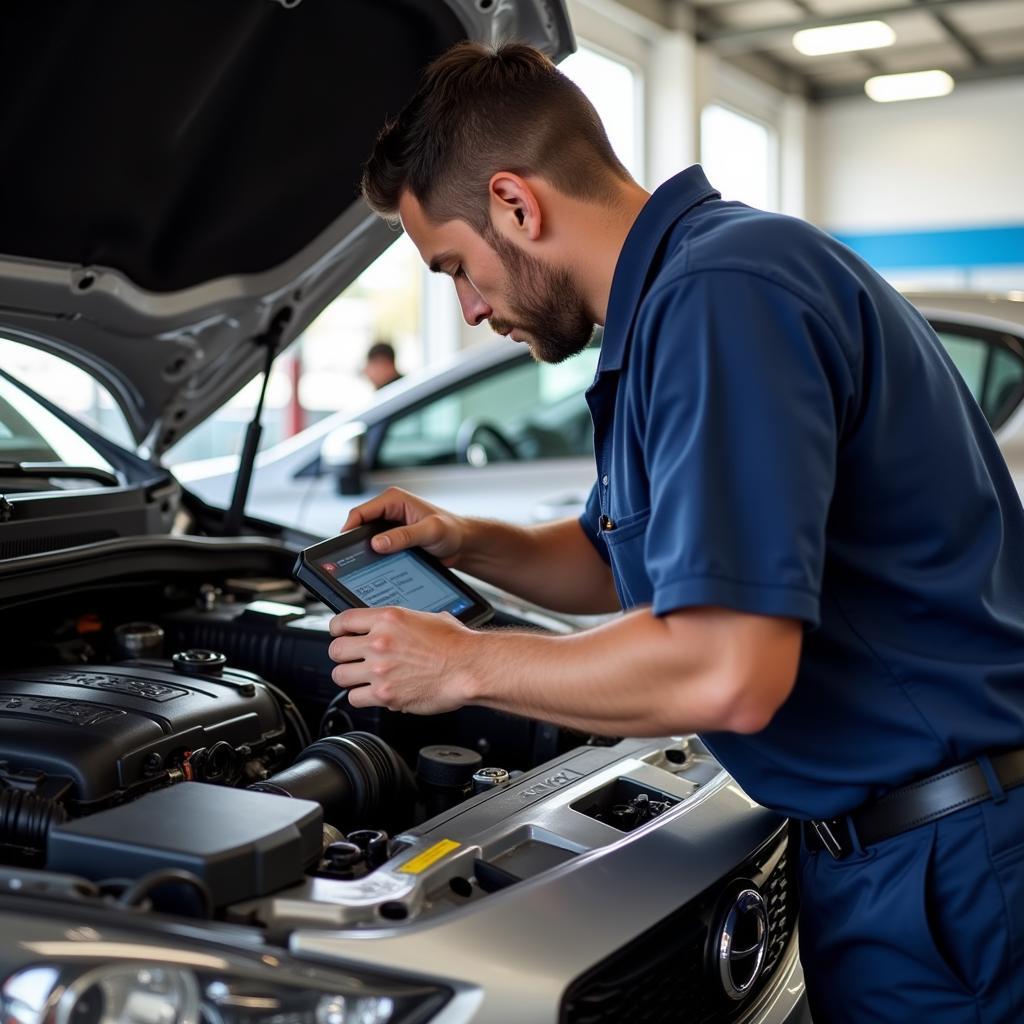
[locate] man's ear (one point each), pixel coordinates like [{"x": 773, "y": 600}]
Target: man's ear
[{"x": 515, "y": 210}]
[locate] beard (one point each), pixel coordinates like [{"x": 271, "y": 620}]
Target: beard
[{"x": 548, "y": 307}]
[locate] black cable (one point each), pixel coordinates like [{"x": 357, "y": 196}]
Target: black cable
[{"x": 142, "y": 889}]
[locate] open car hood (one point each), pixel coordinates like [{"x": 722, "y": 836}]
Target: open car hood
[{"x": 180, "y": 177}]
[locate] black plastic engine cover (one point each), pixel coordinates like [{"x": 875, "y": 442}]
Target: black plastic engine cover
[
  {"x": 112, "y": 729},
  {"x": 241, "y": 844}
]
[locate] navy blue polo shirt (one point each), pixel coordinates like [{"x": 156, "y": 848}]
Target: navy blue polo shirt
[{"x": 779, "y": 432}]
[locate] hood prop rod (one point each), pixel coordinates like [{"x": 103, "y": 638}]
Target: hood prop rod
[{"x": 271, "y": 340}]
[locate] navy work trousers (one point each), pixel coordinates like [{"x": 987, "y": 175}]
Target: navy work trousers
[{"x": 927, "y": 926}]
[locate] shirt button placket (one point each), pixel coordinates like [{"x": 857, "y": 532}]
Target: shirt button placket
[{"x": 606, "y": 518}]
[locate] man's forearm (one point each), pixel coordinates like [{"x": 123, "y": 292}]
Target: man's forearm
[
  {"x": 641, "y": 675},
  {"x": 553, "y": 565}
]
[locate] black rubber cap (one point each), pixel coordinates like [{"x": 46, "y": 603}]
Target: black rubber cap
[
  {"x": 444, "y": 765},
  {"x": 199, "y": 662}
]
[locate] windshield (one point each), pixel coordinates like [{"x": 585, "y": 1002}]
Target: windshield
[{"x": 29, "y": 433}]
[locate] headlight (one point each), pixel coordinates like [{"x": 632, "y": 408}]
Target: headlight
[{"x": 161, "y": 993}]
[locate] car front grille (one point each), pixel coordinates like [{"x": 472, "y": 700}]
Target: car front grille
[{"x": 665, "y": 976}]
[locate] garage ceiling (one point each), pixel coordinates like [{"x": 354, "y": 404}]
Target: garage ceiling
[{"x": 971, "y": 39}]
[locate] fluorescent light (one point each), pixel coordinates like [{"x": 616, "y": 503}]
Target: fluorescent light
[
  {"x": 858, "y": 35},
  {"x": 915, "y": 85}
]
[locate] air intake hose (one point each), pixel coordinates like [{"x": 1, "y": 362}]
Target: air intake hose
[
  {"x": 358, "y": 779},
  {"x": 25, "y": 819}
]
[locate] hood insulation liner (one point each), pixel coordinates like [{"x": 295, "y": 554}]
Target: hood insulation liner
[{"x": 180, "y": 141}]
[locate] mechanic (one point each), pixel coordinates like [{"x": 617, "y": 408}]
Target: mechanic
[{"x": 799, "y": 505}]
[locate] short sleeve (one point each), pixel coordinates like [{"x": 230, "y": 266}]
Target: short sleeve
[
  {"x": 590, "y": 523},
  {"x": 747, "y": 387}
]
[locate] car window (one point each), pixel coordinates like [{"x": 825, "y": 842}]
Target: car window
[
  {"x": 992, "y": 370},
  {"x": 1004, "y": 388},
  {"x": 970, "y": 356},
  {"x": 526, "y": 410},
  {"x": 30, "y": 433},
  {"x": 68, "y": 387}
]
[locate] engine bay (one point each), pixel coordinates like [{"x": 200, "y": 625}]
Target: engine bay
[
  {"x": 172, "y": 744},
  {"x": 120, "y": 691},
  {"x": 171, "y": 738}
]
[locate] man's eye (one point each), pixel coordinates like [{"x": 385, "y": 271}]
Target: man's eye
[{"x": 458, "y": 271}]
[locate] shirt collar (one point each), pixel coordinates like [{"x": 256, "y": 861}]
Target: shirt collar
[{"x": 670, "y": 201}]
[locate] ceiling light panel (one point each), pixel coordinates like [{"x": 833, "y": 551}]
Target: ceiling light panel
[
  {"x": 857, "y": 35},
  {"x": 916, "y": 85}
]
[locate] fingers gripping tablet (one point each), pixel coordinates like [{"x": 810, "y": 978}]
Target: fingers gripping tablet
[{"x": 345, "y": 572}]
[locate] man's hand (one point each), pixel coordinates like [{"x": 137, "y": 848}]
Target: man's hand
[
  {"x": 441, "y": 533},
  {"x": 400, "y": 659},
  {"x": 551, "y": 564},
  {"x": 695, "y": 670}
]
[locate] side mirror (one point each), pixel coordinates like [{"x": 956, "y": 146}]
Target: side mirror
[
  {"x": 341, "y": 454},
  {"x": 350, "y": 479}
]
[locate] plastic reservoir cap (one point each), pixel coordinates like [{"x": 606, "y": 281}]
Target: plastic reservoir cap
[{"x": 445, "y": 765}]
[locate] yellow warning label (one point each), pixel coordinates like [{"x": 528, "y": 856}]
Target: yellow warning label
[{"x": 422, "y": 861}]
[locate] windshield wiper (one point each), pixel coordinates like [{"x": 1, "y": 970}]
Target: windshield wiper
[{"x": 58, "y": 470}]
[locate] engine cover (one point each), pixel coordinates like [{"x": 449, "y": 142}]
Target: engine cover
[{"x": 116, "y": 730}]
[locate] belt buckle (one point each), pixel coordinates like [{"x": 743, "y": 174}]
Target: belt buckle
[{"x": 826, "y": 832}]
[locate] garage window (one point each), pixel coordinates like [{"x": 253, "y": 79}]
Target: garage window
[
  {"x": 614, "y": 87},
  {"x": 739, "y": 155}
]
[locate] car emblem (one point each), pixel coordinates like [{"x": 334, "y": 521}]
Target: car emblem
[{"x": 742, "y": 943}]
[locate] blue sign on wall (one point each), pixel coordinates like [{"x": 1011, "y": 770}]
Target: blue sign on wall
[{"x": 962, "y": 247}]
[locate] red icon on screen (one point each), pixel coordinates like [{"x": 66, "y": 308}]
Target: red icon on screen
[{"x": 328, "y": 566}]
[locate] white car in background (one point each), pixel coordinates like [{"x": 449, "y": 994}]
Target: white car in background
[
  {"x": 494, "y": 433},
  {"x": 490, "y": 433},
  {"x": 984, "y": 335}
]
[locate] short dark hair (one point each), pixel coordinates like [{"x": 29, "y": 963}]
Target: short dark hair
[
  {"x": 479, "y": 110},
  {"x": 381, "y": 350}
]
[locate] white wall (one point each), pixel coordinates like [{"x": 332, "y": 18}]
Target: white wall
[
  {"x": 953, "y": 165},
  {"x": 948, "y": 162}
]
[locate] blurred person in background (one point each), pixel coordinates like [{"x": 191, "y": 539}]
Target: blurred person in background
[{"x": 380, "y": 366}]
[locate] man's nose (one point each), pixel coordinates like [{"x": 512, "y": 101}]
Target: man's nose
[{"x": 474, "y": 309}]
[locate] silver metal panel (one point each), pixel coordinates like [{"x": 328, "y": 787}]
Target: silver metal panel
[{"x": 520, "y": 948}]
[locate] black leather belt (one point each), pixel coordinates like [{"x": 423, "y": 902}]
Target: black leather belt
[{"x": 917, "y": 803}]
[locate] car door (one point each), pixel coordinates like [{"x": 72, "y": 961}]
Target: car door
[
  {"x": 992, "y": 365},
  {"x": 515, "y": 443}
]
